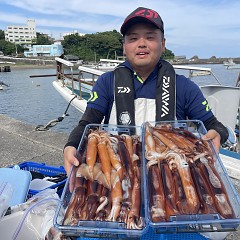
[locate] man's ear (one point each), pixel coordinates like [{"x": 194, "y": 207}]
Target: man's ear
[
  {"x": 124, "y": 53},
  {"x": 164, "y": 44}
]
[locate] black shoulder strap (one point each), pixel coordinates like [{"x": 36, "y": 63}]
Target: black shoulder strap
[
  {"x": 166, "y": 92},
  {"x": 124, "y": 96}
]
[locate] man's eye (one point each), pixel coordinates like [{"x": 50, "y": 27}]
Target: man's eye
[
  {"x": 133, "y": 39},
  {"x": 150, "y": 37}
]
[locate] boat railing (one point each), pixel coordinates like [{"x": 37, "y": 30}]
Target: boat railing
[
  {"x": 64, "y": 65},
  {"x": 110, "y": 61},
  {"x": 88, "y": 81},
  {"x": 61, "y": 65},
  {"x": 95, "y": 73},
  {"x": 193, "y": 71},
  {"x": 197, "y": 71}
]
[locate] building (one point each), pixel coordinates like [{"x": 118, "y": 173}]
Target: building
[
  {"x": 22, "y": 35},
  {"x": 53, "y": 50},
  {"x": 70, "y": 33}
]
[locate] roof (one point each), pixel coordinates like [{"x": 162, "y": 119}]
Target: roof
[{"x": 71, "y": 57}]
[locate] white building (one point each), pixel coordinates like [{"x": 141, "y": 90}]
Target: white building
[
  {"x": 22, "y": 35},
  {"x": 73, "y": 32}
]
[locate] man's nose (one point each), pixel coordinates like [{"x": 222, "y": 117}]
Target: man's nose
[{"x": 141, "y": 42}]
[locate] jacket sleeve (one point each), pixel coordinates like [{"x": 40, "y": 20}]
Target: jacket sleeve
[
  {"x": 213, "y": 123},
  {"x": 90, "y": 116}
]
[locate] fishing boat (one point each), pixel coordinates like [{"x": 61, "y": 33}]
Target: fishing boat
[
  {"x": 236, "y": 66},
  {"x": 107, "y": 64},
  {"x": 229, "y": 62},
  {"x": 220, "y": 97}
]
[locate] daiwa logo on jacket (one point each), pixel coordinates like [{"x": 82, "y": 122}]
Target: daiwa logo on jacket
[
  {"x": 165, "y": 96},
  {"x": 123, "y": 89}
]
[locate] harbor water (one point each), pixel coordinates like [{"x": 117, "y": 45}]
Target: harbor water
[{"x": 36, "y": 102}]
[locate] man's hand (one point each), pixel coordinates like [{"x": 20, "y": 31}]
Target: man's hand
[
  {"x": 215, "y": 137},
  {"x": 70, "y": 158}
]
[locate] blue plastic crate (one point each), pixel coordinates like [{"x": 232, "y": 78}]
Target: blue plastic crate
[
  {"x": 194, "y": 222},
  {"x": 96, "y": 228},
  {"x": 186, "y": 236},
  {"x": 151, "y": 235},
  {"x": 46, "y": 170}
]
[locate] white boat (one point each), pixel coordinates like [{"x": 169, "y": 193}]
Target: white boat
[
  {"x": 219, "y": 97},
  {"x": 107, "y": 64},
  {"x": 236, "y": 66},
  {"x": 229, "y": 62}
]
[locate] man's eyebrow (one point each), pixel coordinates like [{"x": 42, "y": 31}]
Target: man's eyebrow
[
  {"x": 151, "y": 32},
  {"x": 136, "y": 33},
  {"x": 131, "y": 33}
]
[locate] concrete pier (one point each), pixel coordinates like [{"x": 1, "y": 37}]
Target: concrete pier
[{"x": 20, "y": 142}]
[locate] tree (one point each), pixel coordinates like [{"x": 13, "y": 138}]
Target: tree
[
  {"x": 213, "y": 58},
  {"x": 195, "y": 57},
  {"x": 168, "y": 54},
  {"x": 42, "y": 39},
  {"x": 2, "y": 35},
  {"x": 7, "y": 48},
  {"x": 92, "y": 47},
  {"x": 20, "y": 48}
]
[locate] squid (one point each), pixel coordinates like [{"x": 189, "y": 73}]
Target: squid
[
  {"x": 169, "y": 190},
  {"x": 114, "y": 157},
  {"x": 91, "y": 154},
  {"x": 105, "y": 160},
  {"x": 179, "y": 162},
  {"x": 134, "y": 221},
  {"x": 156, "y": 195},
  {"x": 217, "y": 188},
  {"x": 203, "y": 190},
  {"x": 116, "y": 196}
]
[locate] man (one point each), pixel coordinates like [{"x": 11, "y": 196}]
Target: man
[{"x": 144, "y": 88}]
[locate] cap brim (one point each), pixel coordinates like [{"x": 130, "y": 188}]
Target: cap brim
[{"x": 136, "y": 20}]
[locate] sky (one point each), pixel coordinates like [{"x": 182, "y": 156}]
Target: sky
[{"x": 204, "y": 28}]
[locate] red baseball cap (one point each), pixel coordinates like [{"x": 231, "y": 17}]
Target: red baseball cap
[{"x": 139, "y": 15}]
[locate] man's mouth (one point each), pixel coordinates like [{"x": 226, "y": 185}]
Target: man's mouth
[{"x": 142, "y": 53}]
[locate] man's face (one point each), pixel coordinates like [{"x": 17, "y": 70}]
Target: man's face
[{"x": 143, "y": 46}]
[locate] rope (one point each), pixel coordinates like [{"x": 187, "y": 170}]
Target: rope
[
  {"x": 54, "y": 122},
  {"x": 3, "y": 83},
  {"x": 238, "y": 81}
]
